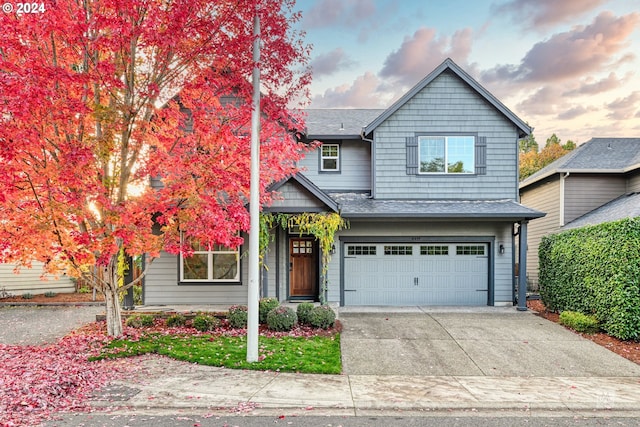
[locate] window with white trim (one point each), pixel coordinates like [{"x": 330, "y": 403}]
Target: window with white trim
[
  {"x": 213, "y": 264},
  {"x": 330, "y": 157},
  {"x": 446, "y": 154}
]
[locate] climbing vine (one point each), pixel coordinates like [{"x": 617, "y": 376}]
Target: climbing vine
[{"x": 323, "y": 226}]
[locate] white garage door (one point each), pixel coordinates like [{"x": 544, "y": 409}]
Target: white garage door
[{"x": 416, "y": 274}]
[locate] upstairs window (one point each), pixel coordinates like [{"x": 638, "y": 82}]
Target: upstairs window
[
  {"x": 446, "y": 154},
  {"x": 330, "y": 158},
  {"x": 210, "y": 264}
]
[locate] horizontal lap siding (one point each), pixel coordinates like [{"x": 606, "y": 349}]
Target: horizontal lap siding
[
  {"x": 545, "y": 198},
  {"x": 161, "y": 286},
  {"x": 446, "y": 106},
  {"x": 503, "y": 274},
  {"x": 633, "y": 184},
  {"x": 355, "y": 171},
  {"x": 28, "y": 281},
  {"x": 584, "y": 193}
]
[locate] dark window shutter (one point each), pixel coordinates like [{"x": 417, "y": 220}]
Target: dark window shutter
[
  {"x": 481, "y": 155},
  {"x": 412, "y": 155}
]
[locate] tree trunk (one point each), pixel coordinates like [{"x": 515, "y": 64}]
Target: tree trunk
[{"x": 113, "y": 315}]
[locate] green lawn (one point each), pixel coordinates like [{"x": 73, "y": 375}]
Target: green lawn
[{"x": 313, "y": 355}]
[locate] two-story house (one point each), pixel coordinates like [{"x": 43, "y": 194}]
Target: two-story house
[
  {"x": 430, "y": 189},
  {"x": 597, "y": 182}
]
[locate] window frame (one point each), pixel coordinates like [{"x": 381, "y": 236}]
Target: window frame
[
  {"x": 446, "y": 137},
  {"x": 211, "y": 253},
  {"x": 337, "y": 158}
]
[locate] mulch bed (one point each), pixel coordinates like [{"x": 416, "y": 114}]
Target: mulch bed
[{"x": 628, "y": 349}]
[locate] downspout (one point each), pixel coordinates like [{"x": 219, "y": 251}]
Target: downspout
[
  {"x": 562, "y": 178},
  {"x": 373, "y": 162}
]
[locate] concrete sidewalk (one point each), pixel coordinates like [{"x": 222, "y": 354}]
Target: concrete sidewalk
[
  {"x": 418, "y": 362},
  {"x": 171, "y": 387}
]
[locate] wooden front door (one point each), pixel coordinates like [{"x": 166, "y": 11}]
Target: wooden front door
[{"x": 303, "y": 264}]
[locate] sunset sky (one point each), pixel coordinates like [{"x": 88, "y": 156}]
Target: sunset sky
[{"x": 566, "y": 66}]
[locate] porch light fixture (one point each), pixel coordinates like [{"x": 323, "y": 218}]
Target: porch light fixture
[
  {"x": 501, "y": 249},
  {"x": 333, "y": 249}
]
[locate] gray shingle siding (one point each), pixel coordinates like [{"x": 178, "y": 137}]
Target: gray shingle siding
[{"x": 446, "y": 106}]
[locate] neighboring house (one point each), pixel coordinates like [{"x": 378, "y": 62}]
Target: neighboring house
[
  {"x": 597, "y": 182},
  {"x": 29, "y": 281},
  {"x": 429, "y": 187}
]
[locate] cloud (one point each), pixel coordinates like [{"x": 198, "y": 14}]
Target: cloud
[
  {"x": 575, "y": 112},
  {"x": 567, "y": 55},
  {"x": 424, "y": 51},
  {"x": 543, "y": 102},
  {"x": 363, "y": 93},
  {"x": 541, "y": 14},
  {"x": 625, "y": 108},
  {"x": 330, "y": 62},
  {"x": 344, "y": 13},
  {"x": 593, "y": 88}
]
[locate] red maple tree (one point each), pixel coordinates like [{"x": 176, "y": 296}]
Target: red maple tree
[{"x": 98, "y": 96}]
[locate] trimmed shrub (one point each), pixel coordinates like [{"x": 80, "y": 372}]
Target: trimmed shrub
[
  {"x": 304, "y": 312},
  {"x": 205, "y": 322},
  {"x": 176, "y": 320},
  {"x": 265, "y": 305},
  {"x": 27, "y": 295},
  {"x": 237, "y": 316},
  {"x": 282, "y": 318},
  {"x": 322, "y": 317},
  {"x": 579, "y": 322},
  {"x": 595, "y": 270},
  {"x": 140, "y": 321},
  {"x": 49, "y": 294}
]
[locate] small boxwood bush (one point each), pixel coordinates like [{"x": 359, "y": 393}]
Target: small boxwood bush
[
  {"x": 282, "y": 318},
  {"x": 140, "y": 321},
  {"x": 27, "y": 295},
  {"x": 322, "y": 317},
  {"x": 49, "y": 294},
  {"x": 205, "y": 322},
  {"x": 237, "y": 316},
  {"x": 175, "y": 320},
  {"x": 265, "y": 305},
  {"x": 579, "y": 322},
  {"x": 304, "y": 312}
]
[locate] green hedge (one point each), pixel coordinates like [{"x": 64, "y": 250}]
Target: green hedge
[{"x": 595, "y": 270}]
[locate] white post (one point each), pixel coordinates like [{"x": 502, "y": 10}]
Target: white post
[{"x": 254, "y": 205}]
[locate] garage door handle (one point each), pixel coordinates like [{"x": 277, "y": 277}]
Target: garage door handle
[
  {"x": 415, "y": 281},
  {"x": 350, "y": 290}
]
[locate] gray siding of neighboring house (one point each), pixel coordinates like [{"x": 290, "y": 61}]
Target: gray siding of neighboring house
[
  {"x": 355, "y": 167},
  {"x": 544, "y": 197},
  {"x": 584, "y": 193},
  {"x": 633, "y": 184},
  {"x": 446, "y": 106},
  {"x": 161, "y": 286},
  {"x": 29, "y": 281},
  {"x": 503, "y": 272}
]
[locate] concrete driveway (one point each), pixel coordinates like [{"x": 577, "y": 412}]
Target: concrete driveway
[{"x": 487, "y": 342}]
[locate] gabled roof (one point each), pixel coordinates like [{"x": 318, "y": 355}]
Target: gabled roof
[
  {"x": 598, "y": 155},
  {"x": 355, "y": 205},
  {"x": 309, "y": 186},
  {"x": 626, "y": 206},
  {"x": 338, "y": 123},
  {"x": 448, "y": 64}
]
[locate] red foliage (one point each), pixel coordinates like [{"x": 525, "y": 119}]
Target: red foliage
[
  {"x": 99, "y": 96},
  {"x": 38, "y": 381}
]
